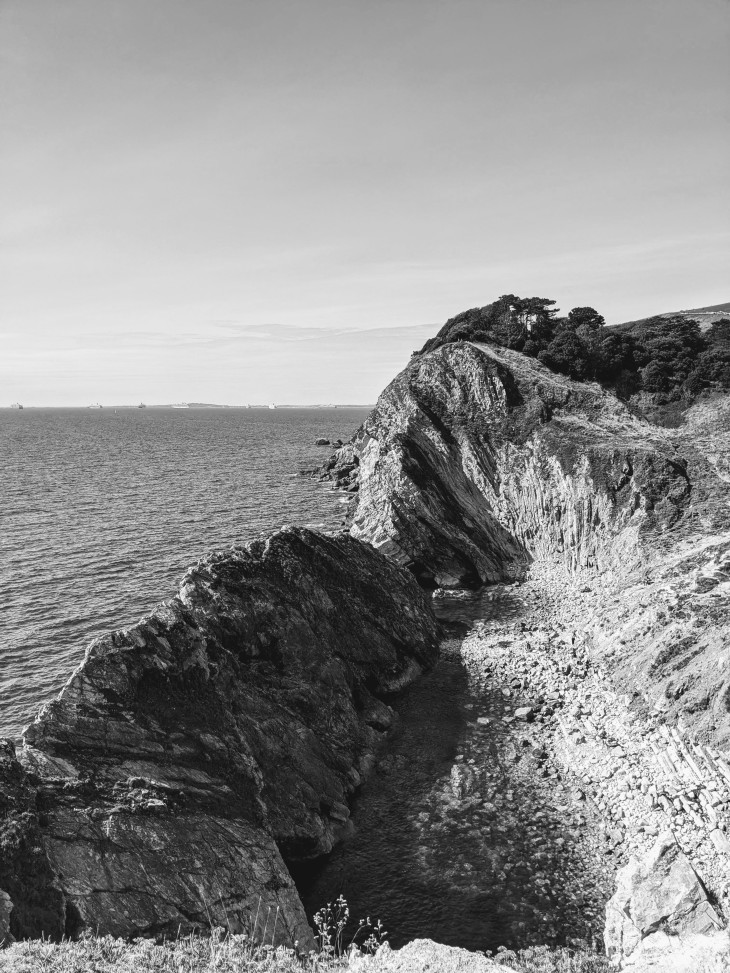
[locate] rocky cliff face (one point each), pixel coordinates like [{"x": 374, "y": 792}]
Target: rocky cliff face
[
  {"x": 194, "y": 755},
  {"x": 664, "y": 629},
  {"x": 191, "y": 755},
  {"x": 477, "y": 459}
]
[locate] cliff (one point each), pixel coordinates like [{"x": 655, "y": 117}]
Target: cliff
[
  {"x": 664, "y": 630},
  {"x": 194, "y": 756},
  {"x": 478, "y": 461},
  {"x": 190, "y": 756}
]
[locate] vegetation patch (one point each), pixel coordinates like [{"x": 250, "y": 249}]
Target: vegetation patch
[
  {"x": 664, "y": 359},
  {"x": 237, "y": 954}
]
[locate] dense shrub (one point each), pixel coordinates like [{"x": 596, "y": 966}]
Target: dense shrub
[{"x": 667, "y": 357}]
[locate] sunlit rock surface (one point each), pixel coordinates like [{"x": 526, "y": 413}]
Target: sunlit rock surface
[
  {"x": 664, "y": 628},
  {"x": 476, "y": 460},
  {"x": 188, "y": 756},
  {"x": 660, "y": 896},
  {"x": 424, "y": 956}
]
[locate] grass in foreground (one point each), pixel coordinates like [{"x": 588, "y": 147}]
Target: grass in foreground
[
  {"x": 234, "y": 954},
  {"x": 225, "y": 953}
]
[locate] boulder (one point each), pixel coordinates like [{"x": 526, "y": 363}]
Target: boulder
[
  {"x": 694, "y": 953},
  {"x": 461, "y": 780},
  {"x": 192, "y": 756},
  {"x": 322, "y": 442},
  {"x": 658, "y": 896},
  {"x": 424, "y": 956}
]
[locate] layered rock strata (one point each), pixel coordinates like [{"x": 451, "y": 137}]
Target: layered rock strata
[
  {"x": 663, "y": 631},
  {"x": 476, "y": 460},
  {"x": 190, "y": 756},
  {"x": 477, "y": 441}
]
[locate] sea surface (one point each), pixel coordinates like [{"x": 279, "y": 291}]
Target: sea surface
[{"x": 102, "y": 510}]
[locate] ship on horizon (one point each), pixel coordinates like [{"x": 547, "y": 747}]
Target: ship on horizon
[
  {"x": 95, "y": 405},
  {"x": 16, "y": 405},
  {"x": 141, "y": 406},
  {"x": 272, "y": 405}
]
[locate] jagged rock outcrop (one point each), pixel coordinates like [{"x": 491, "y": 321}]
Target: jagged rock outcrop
[
  {"x": 477, "y": 459},
  {"x": 659, "y": 896},
  {"x": 190, "y": 756}
]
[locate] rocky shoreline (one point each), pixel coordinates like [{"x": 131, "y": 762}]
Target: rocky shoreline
[
  {"x": 194, "y": 756},
  {"x": 643, "y": 771},
  {"x": 626, "y": 775},
  {"x": 621, "y": 530},
  {"x": 558, "y": 782}
]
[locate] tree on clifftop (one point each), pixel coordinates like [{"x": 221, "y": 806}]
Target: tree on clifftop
[
  {"x": 587, "y": 318},
  {"x": 531, "y": 319},
  {"x": 566, "y": 353}
]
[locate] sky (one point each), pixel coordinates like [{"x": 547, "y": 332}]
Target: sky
[{"x": 278, "y": 200}]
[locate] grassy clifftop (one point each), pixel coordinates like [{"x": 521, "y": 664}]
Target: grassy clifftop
[{"x": 655, "y": 362}]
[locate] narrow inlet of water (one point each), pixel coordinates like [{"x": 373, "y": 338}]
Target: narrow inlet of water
[{"x": 460, "y": 835}]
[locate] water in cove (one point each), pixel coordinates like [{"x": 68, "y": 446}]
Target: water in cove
[
  {"x": 103, "y": 510},
  {"x": 457, "y": 836}
]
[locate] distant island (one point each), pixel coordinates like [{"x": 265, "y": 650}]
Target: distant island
[{"x": 258, "y": 405}]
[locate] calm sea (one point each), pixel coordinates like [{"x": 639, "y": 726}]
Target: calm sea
[{"x": 103, "y": 510}]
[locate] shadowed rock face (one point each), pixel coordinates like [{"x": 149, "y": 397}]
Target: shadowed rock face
[
  {"x": 477, "y": 459},
  {"x": 190, "y": 755},
  {"x": 31, "y": 901}
]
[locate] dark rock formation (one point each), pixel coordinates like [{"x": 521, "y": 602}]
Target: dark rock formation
[
  {"x": 31, "y": 901},
  {"x": 189, "y": 756}
]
